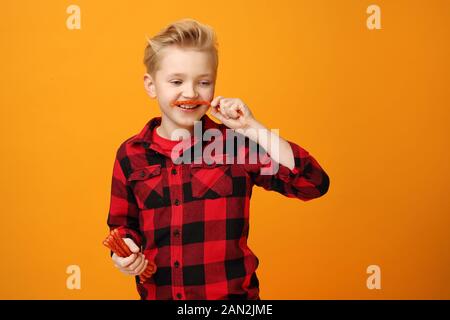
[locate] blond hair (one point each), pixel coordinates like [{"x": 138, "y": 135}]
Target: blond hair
[{"x": 185, "y": 33}]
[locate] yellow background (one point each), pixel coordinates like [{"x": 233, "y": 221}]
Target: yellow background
[{"x": 371, "y": 105}]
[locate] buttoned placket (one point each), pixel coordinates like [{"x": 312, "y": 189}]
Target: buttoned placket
[
  {"x": 174, "y": 179},
  {"x": 174, "y": 175}
]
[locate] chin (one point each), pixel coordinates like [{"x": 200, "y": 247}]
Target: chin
[{"x": 188, "y": 119}]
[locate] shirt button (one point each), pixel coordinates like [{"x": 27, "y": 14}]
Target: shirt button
[
  {"x": 174, "y": 171},
  {"x": 145, "y": 145},
  {"x": 176, "y": 233},
  {"x": 176, "y": 264},
  {"x": 177, "y": 202},
  {"x": 179, "y": 296},
  {"x": 142, "y": 174}
]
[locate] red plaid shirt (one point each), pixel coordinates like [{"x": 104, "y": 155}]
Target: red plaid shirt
[{"x": 193, "y": 219}]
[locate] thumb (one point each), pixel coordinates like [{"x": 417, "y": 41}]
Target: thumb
[
  {"x": 216, "y": 101},
  {"x": 130, "y": 243}
]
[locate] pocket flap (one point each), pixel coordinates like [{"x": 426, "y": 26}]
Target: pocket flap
[
  {"x": 207, "y": 166},
  {"x": 211, "y": 181},
  {"x": 145, "y": 173}
]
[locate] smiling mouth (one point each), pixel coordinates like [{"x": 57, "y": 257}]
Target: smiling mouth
[{"x": 189, "y": 104}]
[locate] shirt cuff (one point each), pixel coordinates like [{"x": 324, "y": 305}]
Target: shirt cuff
[{"x": 284, "y": 173}]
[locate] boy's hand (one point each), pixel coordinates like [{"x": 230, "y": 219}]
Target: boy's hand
[
  {"x": 232, "y": 112},
  {"x": 132, "y": 265}
]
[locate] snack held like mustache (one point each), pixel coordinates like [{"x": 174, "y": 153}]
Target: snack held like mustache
[
  {"x": 116, "y": 244},
  {"x": 190, "y": 102}
]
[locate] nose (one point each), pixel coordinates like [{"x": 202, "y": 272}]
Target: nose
[{"x": 189, "y": 91}]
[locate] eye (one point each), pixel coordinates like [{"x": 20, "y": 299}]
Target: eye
[
  {"x": 176, "y": 82},
  {"x": 205, "y": 83}
]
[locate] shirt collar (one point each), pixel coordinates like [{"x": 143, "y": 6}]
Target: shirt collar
[{"x": 145, "y": 136}]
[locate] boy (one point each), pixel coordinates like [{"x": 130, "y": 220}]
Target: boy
[{"x": 192, "y": 218}]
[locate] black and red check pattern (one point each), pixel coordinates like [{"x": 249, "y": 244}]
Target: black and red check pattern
[{"x": 193, "y": 219}]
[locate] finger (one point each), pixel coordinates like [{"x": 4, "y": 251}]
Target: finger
[
  {"x": 125, "y": 262},
  {"x": 223, "y": 111},
  {"x": 216, "y": 101},
  {"x": 138, "y": 269},
  {"x": 216, "y": 114},
  {"x": 141, "y": 267},
  {"x": 240, "y": 109},
  {"x": 136, "y": 262},
  {"x": 118, "y": 261},
  {"x": 130, "y": 243},
  {"x": 128, "y": 273},
  {"x": 232, "y": 112}
]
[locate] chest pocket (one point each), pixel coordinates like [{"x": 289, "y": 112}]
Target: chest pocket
[
  {"x": 211, "y": 181},
  {"x": 147, "y": 186}
]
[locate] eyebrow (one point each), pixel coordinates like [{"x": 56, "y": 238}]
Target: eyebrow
[{"x": 182, "y": 74}]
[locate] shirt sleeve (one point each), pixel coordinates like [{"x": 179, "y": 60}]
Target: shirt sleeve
[
  {"x": 306, "y": 181},
  {"x": 123, "y": 212}
]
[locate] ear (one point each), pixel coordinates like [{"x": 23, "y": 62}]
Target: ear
[{"x": 149, "y": 85}]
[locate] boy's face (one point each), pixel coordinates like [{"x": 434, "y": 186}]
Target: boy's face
[{"x": 183, "y": 74}]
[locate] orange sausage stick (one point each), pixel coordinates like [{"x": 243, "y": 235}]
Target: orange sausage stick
[
  {"x": 116, "y": 244},
  {"x": 190, "y": 102}
]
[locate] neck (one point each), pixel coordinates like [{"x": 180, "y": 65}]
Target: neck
[{"x": 167, "y": 128}]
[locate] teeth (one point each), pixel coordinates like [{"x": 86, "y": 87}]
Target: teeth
[{"x": 184, "y": 106}]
